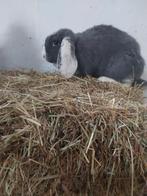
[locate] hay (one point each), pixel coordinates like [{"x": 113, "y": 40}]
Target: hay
[{"x": 70, "y": 137}]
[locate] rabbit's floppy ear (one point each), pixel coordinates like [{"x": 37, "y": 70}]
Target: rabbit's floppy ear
[{"x": 66, "y": 60}]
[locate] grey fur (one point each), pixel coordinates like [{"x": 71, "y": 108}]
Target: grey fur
[{"x": 101, "y": 51}]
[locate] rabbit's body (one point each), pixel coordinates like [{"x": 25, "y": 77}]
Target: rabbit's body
[{"x": 100, "y": 51}]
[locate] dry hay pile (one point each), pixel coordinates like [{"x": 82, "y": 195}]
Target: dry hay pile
[{"x": 70, "y": 137}]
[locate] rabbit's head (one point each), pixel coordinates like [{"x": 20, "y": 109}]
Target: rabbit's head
[{"x": 53, "y": 44}]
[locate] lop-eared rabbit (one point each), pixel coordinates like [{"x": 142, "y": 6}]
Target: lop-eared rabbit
[{"x": 102, "y": 51}]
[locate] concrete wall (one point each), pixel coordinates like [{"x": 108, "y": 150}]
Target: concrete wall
[{"x": 25, "y": 24}]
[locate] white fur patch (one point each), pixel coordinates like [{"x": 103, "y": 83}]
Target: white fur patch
[
  {"x": 126, "y": 82},
  {"x": 67, "y": 61},
  {"x": 106, "y": 79}
]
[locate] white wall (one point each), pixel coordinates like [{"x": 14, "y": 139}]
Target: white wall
[{"x": 25, "y": 24}]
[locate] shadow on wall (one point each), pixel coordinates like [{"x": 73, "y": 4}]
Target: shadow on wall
[
  {"x": 2, "y": 59},
  {"x": 20, "y": 50}
]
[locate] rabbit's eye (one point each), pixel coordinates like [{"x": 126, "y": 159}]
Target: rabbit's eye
[{"x": 55, "y": 43}]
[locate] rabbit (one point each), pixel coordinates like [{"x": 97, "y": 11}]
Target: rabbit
[{"x": 102, "y": 51}]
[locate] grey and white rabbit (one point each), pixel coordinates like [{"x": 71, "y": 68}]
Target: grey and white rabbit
[{"x": 101, "y": 51}]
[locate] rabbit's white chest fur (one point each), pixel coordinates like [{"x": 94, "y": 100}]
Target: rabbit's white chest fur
[{"x": 67, "y": 62}]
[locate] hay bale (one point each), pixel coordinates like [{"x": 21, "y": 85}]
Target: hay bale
[{"x": 70, "y": 137}]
